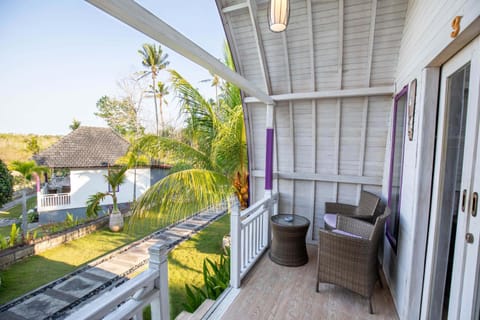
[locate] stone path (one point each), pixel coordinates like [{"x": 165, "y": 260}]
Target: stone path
[{"x": 60, "y": 298}]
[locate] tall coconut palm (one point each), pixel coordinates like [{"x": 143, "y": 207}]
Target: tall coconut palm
[
  {"x": 161, "y": 93},
  {"x": 208, "y": 168},
  {"x": 114, "y": 178},
  {"x": 154, "y": 60},
  {"x": 27, "y": 170}
]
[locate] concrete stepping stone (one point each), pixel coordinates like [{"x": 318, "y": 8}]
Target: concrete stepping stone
[
  {"x": 78, "y": 286},
  {"x": 38, "y": 307}
]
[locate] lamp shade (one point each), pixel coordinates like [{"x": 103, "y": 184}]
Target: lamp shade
[{"x": 278, "y": 12}]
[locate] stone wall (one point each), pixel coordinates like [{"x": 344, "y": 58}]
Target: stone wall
[{"x": 13, "y": 255}]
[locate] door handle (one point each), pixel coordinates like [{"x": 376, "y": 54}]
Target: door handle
[
  {"x": 464, "y": 199},
  {"x": 474, "y": 204}
]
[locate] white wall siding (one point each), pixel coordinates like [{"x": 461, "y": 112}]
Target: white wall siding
[
  {"x": 426, "y": 33},
  {"x": 379, "y": 110},
  {"x": 388, "y": 33},
  {"x": 303, "y": 136},
  {"x": 326, "y": 44},
  {"x": 299, "y": 48},
  {"x": 284, "y": 133},
  {"x": 355, "y": 43}
]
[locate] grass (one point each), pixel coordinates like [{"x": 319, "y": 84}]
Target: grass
[
  {"x": 16, "y": 211},
  {"x": 43, "y": 268},
  {"x": 184, "y": 262},
  {"x": 13, "y": 146}
]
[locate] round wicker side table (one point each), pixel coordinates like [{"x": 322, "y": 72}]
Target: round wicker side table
[{"x": 288, "y": 243}]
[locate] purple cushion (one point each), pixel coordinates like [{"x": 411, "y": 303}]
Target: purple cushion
[
  {"x": 330, "y": 219},
  {"x": 338, "y": 231}
]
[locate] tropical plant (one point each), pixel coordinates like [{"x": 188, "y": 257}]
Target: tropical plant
[
  {"x": 216, "y": 278},
  {"x": 14, "y": 233},
  {"x": 115, "y": 177},
  {"x": 75, "y": 124},
  {"x": 6, "y": 184},
  {"x": 3, "y": 242},
  {"x": 32, "y": 145},
  {"x": 209, "y": 168},
  {"x": 27, "y": 170},
  {"x": 71, "y": 220},
  {"x": 32, "y": 215},
  {"x": 154, "y": 60}
]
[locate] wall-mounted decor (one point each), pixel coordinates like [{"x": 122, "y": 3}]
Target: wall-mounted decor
[{"x": 411, "y": 107}]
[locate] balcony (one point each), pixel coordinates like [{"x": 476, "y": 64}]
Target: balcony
[
  {"x": 260, "y": 289},
  {"x": 53, "y": 201}
]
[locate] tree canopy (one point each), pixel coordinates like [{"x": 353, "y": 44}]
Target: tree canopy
[
  {"x": 6, "y": 184},
  {"x": 120, "y": 114}
]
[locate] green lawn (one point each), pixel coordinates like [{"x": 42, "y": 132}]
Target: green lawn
[
  {"x": 16, "y": 211},
  {"x": 23, "y": 277},
  {"x": 185, "y": 261}
]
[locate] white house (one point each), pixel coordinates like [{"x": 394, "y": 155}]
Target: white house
[
  {"x": 378, "y": 95},
  {"x": 79, "y": 162}
]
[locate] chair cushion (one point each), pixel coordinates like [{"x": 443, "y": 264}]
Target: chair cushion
[
  {"x": 338, "y": 231},
  {"x": 330, "y": 219}
]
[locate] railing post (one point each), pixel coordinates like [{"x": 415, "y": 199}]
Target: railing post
[
  {"x": 235, "y": 245},
  {"x": 158, "y": 262},
  {"x": 269, "y": 205}
]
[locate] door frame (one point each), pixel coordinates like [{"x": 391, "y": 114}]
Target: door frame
[{"x": 428, "y": 296}]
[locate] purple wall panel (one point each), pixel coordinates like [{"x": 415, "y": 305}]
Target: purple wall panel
[{"x": 269, "y": 160}]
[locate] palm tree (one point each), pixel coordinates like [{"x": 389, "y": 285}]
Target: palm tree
[
  {"x": 161, "y": 93},
  {"x": 213, "y": 165},
  {"x": 154, "y": 59},
  {"x": 27, "y": 171},
  {"x": 114, "y": 178}
]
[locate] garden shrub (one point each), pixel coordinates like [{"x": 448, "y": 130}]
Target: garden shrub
[
  {"x": 6, "y": 184},
  {"x": 216, "y": 278}
]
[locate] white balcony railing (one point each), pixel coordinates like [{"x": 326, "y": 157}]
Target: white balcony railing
[
  {"x": 250, "y": 236},
  {"x": 53, "y": 200},
  {"x": 128, "y": 300}
]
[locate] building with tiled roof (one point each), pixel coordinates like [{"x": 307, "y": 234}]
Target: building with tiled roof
[
  {"x": 85, "y": 147},
  {"x": 80, "y": 161}
]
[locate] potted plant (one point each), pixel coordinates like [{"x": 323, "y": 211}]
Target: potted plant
[{"x": 114, "y": 178}]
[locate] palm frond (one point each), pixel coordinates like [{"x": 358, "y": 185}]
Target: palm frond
[
  {"x": 181, "y": 194},
  {"x": 26, "y": 168},
  {"x": 93, "y": 204},
  {"x": 229, "y": 150},
  {"x": 116, "y": 177},
  {"x": 200, "y": 114},
  {"x": 172, "y": 149}
]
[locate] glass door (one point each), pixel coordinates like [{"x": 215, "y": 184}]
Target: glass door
[{"x": 459, "y": 183}]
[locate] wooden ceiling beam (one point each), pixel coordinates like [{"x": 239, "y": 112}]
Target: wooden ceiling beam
[
  {"x": 328, "y": 94},
  {"x": 252, "y": 7}
]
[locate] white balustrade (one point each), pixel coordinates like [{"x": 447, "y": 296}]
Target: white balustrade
[
  {"x": 250, "y": 236},
  {"x": 53, "y": 200},
  {"x": 128, "y": 300}
]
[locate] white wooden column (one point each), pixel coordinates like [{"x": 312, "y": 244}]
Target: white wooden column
[{"x": 160, "y": 308}]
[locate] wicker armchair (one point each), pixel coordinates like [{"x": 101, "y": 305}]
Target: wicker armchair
[
  {"x": 369, "y": 207},
  {"x": 347, "y": 256}
]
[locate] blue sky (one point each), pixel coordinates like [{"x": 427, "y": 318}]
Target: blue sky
[{"x": 57, "y": 58}]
